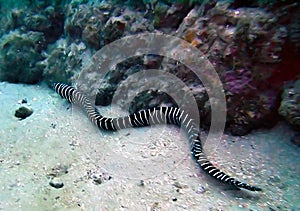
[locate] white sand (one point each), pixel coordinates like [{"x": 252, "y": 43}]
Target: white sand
[{"x": 55, "y": 136}]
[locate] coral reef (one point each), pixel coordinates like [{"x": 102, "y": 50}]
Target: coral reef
[
  {"x": 169, "y": 15},
  {"x": 250, "y": 44},
  {"x": 85, "y": 22},
  {"x": 20, "y": 57},
  {"x": 27, "y": 29},
  {"x": 294, "y": 28},
  {"x": 99, "y": 24},
  {"x": 64, "y": 61},
  {"x": 290, "y": 104},
  {"x": 48, "y": 20},
  {"x": 238, "y": 81},
  {"x": 245, "y": 45}
]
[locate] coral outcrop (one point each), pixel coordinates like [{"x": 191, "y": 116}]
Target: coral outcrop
[
  {"x": 290, "y": 104},
  {"x": 85, "y": 22},
  {"x": 245, "y": 46},
  {"x": 100, "y": 24},
  {"x": 64, "y": 61},
  {"x": 21, "y": 58}
]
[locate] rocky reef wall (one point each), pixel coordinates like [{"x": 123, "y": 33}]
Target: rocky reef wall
[{"x": 253, "y": 46}]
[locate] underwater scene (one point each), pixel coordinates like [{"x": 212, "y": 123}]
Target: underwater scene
[{"x": 150, "y": 105}]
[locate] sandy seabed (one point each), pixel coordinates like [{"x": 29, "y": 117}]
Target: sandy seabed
[{"x": 132, "y": 169}]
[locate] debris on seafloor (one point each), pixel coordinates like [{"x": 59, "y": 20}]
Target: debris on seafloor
[
  {"x": 98, "y": 177},
  {"x": 58, "y": 170},
  {"x": 56, "y": 183},
  {"x": 23, "y": 112}
]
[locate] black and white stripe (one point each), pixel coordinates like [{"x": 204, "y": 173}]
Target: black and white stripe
[{"x": 161, "y": 115}]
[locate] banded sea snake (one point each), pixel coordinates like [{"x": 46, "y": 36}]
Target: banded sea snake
[{"x": 169, "y": 115}]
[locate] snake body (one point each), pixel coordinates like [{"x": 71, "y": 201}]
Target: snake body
[{"x": 161, "y": 115}]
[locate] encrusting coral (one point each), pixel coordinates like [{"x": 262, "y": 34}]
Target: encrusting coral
[
  {"x": 290, "y": 104},
  {"x": 20, "y": 57}
]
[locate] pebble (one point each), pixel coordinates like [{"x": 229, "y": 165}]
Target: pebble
[
  {"x": 178, "y": 185},
  {"x": 201, "y": 190},
  {"x": 56, "y": 183},
  {"x": 141, "y": 183},
  {"x": 97, "y": 177},
  {"x": 22, "y": 101},
  {"x": 23, "y": 112}
]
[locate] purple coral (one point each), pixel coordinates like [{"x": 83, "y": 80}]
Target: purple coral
[{"x": 238, "y": 81}]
